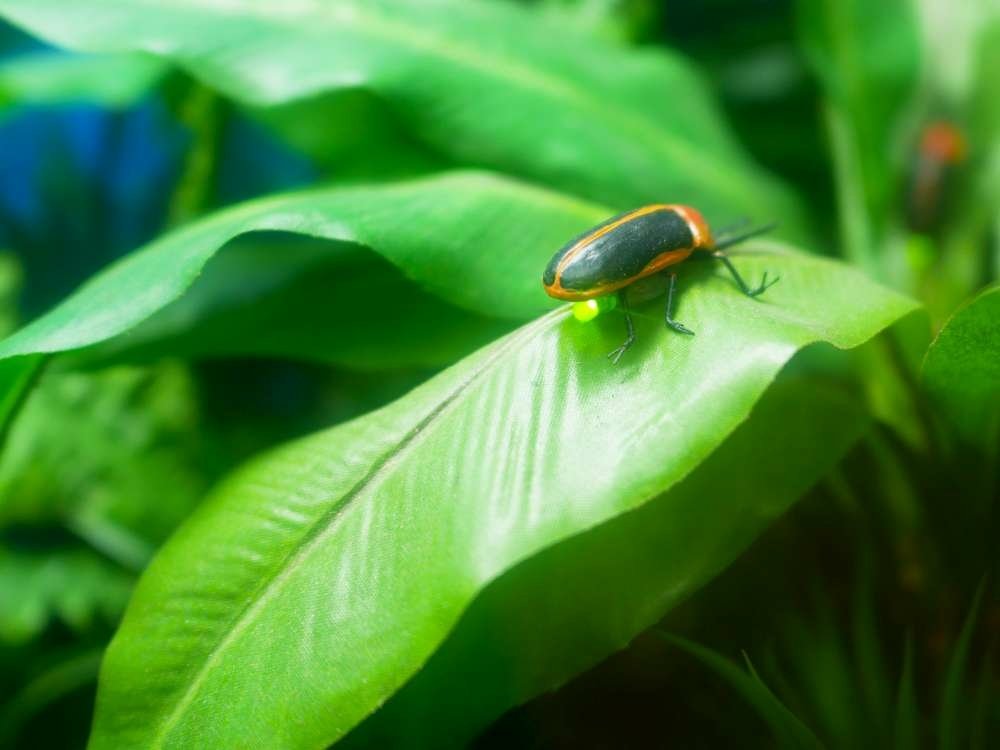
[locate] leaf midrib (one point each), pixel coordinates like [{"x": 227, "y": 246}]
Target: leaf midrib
[{"x": 317, "y": 533}]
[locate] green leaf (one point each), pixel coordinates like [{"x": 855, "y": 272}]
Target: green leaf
[
  {"x": 869, "y": 660},
  {"x": 950, "y": 721},
  {"x": 475, "y": 240},
  {"x": 906, "y": 724},
  {"x": 17, "y": 375},
  {"x": 611, "y": 19},
  {"x": 866, "y": 57},
  {"x": 824, "y": 675},
  {"x": 279, "y": 295},
  {"x": 84, "y": 453},
  {"x": 983, "y": 721},
  {"x": 788, "y": 729},
  {"x": 76, "y": 517},
  {"x": 964, "y": 66},
  {"x": 364, "y": 544},
  {"x": 961, "y": 370},
  {"x": 351, "y": 134},
  {"x": 565, "y": 609},
  {"x": 978, "y": 213},
  {"x": 479, "y": 81},
  {"x": 16, "y": 378},
  {"x": 56, "y": 78},
  {"x": 70, "y": 673},
  {"x": 951, "y": 40},
  {"x": 10, "y": 289},
  {"x": 72, "y": 585}
]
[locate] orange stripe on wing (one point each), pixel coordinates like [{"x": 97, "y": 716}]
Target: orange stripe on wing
[
  {"x": 658, "y": 263},
  {"x": 663, "y": 260},
  {"x": 696, "y": 223}
]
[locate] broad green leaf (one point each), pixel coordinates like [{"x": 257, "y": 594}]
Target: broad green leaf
[
  {"x": 477, "y": 241},
  {"x": 479, "y": 80},
  {"x": 866, "y": 57},
  {"x": 612, "y": 19},
  {"x": 364, "y": 544},
  {"x": 280, "y": 295},
  {"x": 351, "y": 134},
  {"x": 962, "y": 369},
  {"x": 568, "y": 607},
  {"x": 57, "y": 78}
]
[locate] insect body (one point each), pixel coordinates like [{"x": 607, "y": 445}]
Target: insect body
[{"x": 632, "y": 246}]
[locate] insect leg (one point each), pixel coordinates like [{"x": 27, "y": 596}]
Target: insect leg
[
  {"x": 764, "y": 284},
  {"x": 630, "y": 330},
  {"x": 671, "y": 323}
]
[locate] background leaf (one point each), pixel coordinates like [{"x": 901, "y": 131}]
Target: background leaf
[
  {"x": 367, "y": 499},
  {"x": 76, "y": 520},
  {"x": 788, "y": 730},
  {"x": 962, "y": 369},
  {"x": 74, "y": 586},
  {"x": 514, "y": 228},
  {"x": 906, "y": 720},
  {"x": 136, "y": 425},
  {"x": 17, "y": 375},
  {"x": 867, "y": 59},
  {"x": 963, "y": 50},
  {"x": 952, "y": 39},
  {"x": 586, "y": 116},
  {"x": 48, "y": 77},
  {"x": 16, "y": 378},
  {"x": 953, "y": 704},
  {"x": 352, "y": 134},
  {"x": 69, "y": 674},
  {"x": 259, "y": 296}
]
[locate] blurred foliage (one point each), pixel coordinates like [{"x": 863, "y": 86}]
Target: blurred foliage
[{"x": 368, "y": 253}]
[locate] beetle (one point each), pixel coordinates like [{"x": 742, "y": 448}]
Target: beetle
[{"x": 633, "y": 245}]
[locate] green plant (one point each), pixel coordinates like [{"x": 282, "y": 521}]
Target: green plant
[{"x": 433, "y": 497}]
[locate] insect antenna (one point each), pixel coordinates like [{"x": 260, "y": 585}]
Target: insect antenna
[
  {"x": 724, "y": 242},
  {"x": 734, "y": 226}
]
